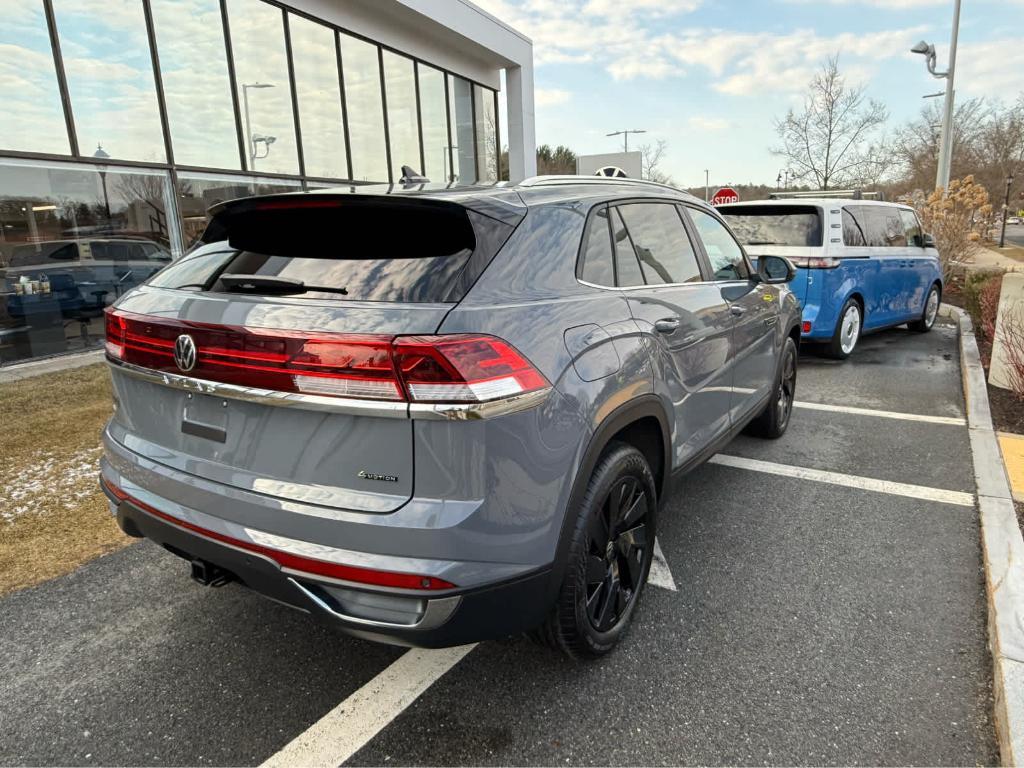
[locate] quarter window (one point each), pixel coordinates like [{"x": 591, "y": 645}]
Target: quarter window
[
  {"x": 853, "y": 229},
  {"x": 661, "y": 243},
  {"x": 597, "y": 255},
  {"x": 726, "y": 257}
]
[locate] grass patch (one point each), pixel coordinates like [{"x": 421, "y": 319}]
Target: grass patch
[{"x": 53, "y": 517}]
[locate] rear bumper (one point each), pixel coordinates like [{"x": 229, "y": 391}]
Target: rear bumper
[{"x": 419, "y": 618}]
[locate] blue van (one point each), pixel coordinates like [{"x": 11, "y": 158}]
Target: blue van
[{"x": 861, "y": 265}]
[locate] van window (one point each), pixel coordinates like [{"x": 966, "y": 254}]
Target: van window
[
  {"x": 597, "y": 252},
  {"x": 725, "y": 255},
  {"x": 879, "y": 226},
  {"x": 41, "y": 253},
  {"x": 912, "y": 227},
  {"x": 662, "y": 246},
  {"x": 790, "y": 225}
]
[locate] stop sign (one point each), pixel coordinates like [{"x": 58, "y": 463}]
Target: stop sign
[{"x": 725, "y": 195}]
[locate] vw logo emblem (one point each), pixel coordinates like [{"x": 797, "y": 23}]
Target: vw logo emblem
[{"x": 185, "y": 352}]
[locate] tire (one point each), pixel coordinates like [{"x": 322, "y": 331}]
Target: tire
[
  {"x": 774, "y": 419},
  {"x": 930, "y": 312},
  {"x": 606, "y": 569},
  {"x": 847, "y": 333}
]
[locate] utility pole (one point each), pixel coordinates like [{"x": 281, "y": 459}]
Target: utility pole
[
  {"x": 625, "y": 136},
  {"x": 946, "y": 152},
  {"x": 707, "y": 191},
  {"x": 1006, "y": 210}
]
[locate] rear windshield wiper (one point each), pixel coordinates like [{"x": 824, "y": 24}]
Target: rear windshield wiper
[{"x": 267, "y": 284}]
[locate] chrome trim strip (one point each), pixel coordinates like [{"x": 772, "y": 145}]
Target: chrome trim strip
[
  {"x": 346, "y": 405},
  {"x": 473, "y": 411},
  {"x": 438, "y": 611},
  {"x": 265, "y": 396}
]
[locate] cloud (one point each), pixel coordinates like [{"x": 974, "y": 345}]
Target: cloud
[
  {"x": 991, "y": 68},
  {"x": 550, "y": 97},
  {"x": 709, "y": 124}
]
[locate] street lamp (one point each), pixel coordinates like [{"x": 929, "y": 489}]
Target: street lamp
[
  {"x": 250, "y": 139},
  {"x": 946, "y": 141},
  {"x": 625, "y": 136},
  {"x": 779, "y": 183},
  {"x": 1006, "y": 209},
  {"x": 101, "y": 154}
]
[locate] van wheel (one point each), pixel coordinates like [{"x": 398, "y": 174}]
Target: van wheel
[
  {"x": 847, "y": 333},
  {"x": 774, "y": 418},
  {"x": 609, "y": 557},
  {"x": 931, "y": 311}
]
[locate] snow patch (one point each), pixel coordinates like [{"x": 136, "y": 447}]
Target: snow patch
[{"x": 48, "y": 481}]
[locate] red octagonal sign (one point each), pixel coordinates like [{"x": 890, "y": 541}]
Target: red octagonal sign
[{"x": 725, "y": 195}]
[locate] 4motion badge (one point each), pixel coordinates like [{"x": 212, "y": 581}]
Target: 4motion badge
[{"x": 374, "y": 476}]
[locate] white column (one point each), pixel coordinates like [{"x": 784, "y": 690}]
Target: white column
[{"x": 520, "y": 131}]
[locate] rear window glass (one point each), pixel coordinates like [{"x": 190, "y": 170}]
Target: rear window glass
[
  {"x": 786, "y": 225},
  {"x": 352, "y": 250}
]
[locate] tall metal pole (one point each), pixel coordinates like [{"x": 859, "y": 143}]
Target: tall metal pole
[
  {"x": 946, "y": 149},
  {"x": 250, "y": 149},
  {"x": 1006, "y": 210},
  {"x": 707, "y": 192}
]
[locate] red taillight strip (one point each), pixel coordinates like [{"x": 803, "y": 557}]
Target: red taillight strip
[{"x": 308, "y": 565}]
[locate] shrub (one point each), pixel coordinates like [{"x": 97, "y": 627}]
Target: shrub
[
  {"x": 981, "y": 300},
  {"x": 958, "y": 220}
]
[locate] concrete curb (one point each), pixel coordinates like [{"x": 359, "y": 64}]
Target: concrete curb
[
  {"x": 20, "y": 371},
  {"x": 1003, "y": 548}
]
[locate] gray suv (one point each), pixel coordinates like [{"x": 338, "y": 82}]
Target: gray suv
[{"x": 436, "y": 416}]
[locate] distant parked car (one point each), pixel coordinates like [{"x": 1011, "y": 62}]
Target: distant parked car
[{"x": 861, "y": 265}]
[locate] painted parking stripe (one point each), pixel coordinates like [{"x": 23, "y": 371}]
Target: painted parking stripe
[
  {"x": 850, "y": 481},
  {"x": 660, "y": 575},
  {"x": 349, "y": 726},
  {"x": 951, "y": 420}
]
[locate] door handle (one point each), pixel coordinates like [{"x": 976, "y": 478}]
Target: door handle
[
  {"x": 770, "y": 321},
  {"x": 737, "y": 310},
  {"x": 666, "y": 324}
]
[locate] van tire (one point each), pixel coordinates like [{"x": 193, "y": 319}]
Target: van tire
[
  {"x": 928, "y": 314},
  {"x": 840, "y": 346},
  {"x": 570, "y": 626},
  {"x": 774, "y": 419}
]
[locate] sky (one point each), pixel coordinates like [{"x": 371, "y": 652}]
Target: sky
[{"x": 711, "y": 77}]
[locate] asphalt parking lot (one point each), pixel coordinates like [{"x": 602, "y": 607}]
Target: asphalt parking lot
[{"x": 828, "y": 608}]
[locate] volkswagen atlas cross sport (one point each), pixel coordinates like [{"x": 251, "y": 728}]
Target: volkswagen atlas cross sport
[
  {"x": 862, "y": 265},
  {"x": 443, "y": 415}
]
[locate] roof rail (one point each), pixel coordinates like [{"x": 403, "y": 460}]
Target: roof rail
[
  {"x": 851, "y": 194},
  {"x": 556, "y": 180}
]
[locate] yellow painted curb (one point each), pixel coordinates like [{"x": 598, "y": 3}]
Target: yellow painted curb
[{"x": 1012, "y": 447}]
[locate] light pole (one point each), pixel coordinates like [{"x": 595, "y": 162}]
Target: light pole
[
  {"x": 250, "y": 143},
  {"x": 1006, "y": 209},
  {"x": 707, "y": 184},
  {"x": 625, "y": 136},
  {"x": 101, "y": 154},
  {"x": 946, "y": 139}
]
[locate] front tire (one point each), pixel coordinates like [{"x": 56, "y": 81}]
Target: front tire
[
  {"x": 774, "y": 419},
  {"x": 609, "y": 557},
  {"x": 931, "y": 311},
  {"x": 847, "y": 332}
]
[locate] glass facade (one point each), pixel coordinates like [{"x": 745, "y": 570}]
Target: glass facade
[{"x": 125, "y": 120}]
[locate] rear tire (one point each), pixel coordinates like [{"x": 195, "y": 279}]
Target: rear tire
[
  {"x": 609, "y": 557},
  {"x": 774, "y": 419},
  {"x": 847, "y": 333},
  {"x": 930, "y": 312}
]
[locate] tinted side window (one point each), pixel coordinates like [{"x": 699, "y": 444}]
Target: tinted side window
[
  {"x": 661, "y": 243},
  {"x": 912, "y": 227},
  {"x": 597, "y": 251},
  {"x": 895, "y": 234},
  {"x": 853, "y": 228},
  {"x": 873, "y": 224},
  {"x": 625, "y": 256},
  {"x": 725, "y": 255}
]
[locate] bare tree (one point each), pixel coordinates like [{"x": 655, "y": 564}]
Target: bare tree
[
  {"x": 833, "y": 140},
  {"x": 650, "y": 162}
]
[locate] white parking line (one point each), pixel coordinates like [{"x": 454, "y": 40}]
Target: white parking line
[
  {"x": 951, "y": 420},
  {"x": 660, "y": 575},
  {"x": 349, "y": 726},
  {"x": 850, "y": 481}
]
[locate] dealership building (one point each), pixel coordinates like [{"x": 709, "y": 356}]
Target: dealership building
[{"x": 124, "y": 120}]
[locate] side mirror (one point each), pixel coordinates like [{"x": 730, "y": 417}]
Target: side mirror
[
  {"x": 775, "y": 269},
  {"x": 927, "y": 241}
]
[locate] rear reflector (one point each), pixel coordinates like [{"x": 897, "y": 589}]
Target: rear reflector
[
  {"x": 806, "y": 326},
  {"x": 455, "y": 368},
  {"x": 290, "y": 561}
]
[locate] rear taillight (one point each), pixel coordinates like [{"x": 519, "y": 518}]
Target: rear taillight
[
  {"x": 455, "y": 368},
  {"x": 815, "y": 262}
]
